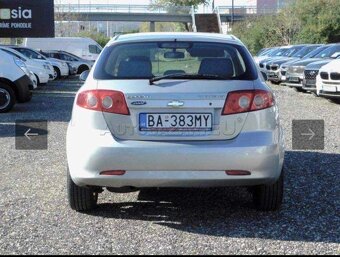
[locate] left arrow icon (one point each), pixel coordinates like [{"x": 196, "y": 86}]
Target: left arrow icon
[{"x": 28, "y": 134}]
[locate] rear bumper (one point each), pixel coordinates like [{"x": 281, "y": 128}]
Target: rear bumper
[{"x": 174, "y": 164}]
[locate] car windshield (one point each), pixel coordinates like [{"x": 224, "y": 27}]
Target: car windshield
[
  {"x": 315, "y": 52},
  {"x": 329, "y": 52},
  {"x": 292, "y": 51},
  {"x": 265, "y": 51},
  {"x": 69, "y": 54},
  {"x": 153, "y": 59},
  {"x": 304, "y": 51},
  {"x": 13, "y": 54},
  {"x": 279, "y": 52},
  {"x": 30, "y": 53}
]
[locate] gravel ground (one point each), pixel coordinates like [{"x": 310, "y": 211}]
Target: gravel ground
[{"x": 36, "y": 219}]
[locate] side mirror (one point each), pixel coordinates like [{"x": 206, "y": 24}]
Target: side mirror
[{"x": 84, "y": 75}]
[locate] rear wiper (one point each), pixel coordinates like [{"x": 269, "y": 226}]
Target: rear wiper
[{"x": 186, "y": 76}]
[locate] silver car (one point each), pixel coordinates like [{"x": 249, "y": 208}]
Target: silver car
[
  {"x": 174, "y": 110},
  {"x": 80, "y": 64}
]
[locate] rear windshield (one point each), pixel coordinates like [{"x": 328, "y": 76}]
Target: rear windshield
[{"x": 152, "y": 59}]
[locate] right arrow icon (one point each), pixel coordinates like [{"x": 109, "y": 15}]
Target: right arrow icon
[{"x": 311, "y": 134}]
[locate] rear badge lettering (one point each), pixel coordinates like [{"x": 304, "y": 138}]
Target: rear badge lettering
[{"x": 138, "y": 103}]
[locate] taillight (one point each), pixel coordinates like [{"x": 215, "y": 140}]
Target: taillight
[
  {"x": 247, "y": 101},
  {"x": 103, "y": 100}
]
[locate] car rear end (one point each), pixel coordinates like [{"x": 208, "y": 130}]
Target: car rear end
[{"x": 202, "y": 132}]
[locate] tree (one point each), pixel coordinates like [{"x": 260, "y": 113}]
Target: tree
[
  {"x": 176, "y": 6},
  {"x": 163, "y": 27},
  {"x": 303, "y": 21},
  {"x": 181, "y": 2},
  {"x": 100, "y": 38}
]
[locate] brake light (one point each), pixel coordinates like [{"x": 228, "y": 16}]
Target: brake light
[
  {"x": 103, "y": 100},
  {"x": 247, "y": 101}
]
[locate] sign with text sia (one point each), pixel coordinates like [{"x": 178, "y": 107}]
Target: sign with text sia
[{"x": 26, "y": 18}]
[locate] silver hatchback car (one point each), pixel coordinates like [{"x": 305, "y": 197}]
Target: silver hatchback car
[{"x": 174, "y": 110}]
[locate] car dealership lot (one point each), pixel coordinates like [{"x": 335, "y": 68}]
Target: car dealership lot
[{"x": 36, "y": 218}]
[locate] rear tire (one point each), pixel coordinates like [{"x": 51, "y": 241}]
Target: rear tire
[
  {"x": 269, "y": 197},
  {"x": 81, "y": 199},
  {"x": 7, "y": 98}
]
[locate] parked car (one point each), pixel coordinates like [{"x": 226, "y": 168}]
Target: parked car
[
  {"x": 80, "y": 64},
  {"x": 40, "y": 70},
  {"x": 312, "y": 54},
  {"x": 145, "y": 118},
  {"x": 310, "y": 73},
  {"x": 275, "y": 74},
  {"x": 273, "y": 68},
  {"x": 295, "y": 72},
  {"x": 278, "y": 53},
  {"x": 328, "y": 81},
  {"x": 265, "y": 54},
  {"x": 85, "y": 48},
  {"x": 58, "y": 68},
  {"x": 14, "y": 82}
]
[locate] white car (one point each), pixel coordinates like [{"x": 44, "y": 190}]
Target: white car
[
  {"x": 80, "y": 64},
  {"x": 58, "y": 68},
  {"x": 85, "y": 48},
  {"x": 174, "y": 110},
  {"x": 40, "y": 70},
  {"x": 14, "y": 82},
  {"x": 328, "y": 80}
]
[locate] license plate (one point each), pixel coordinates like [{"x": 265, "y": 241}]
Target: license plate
[
  {"x": 294, "y": 79},
  {"x": 175, "y": 121},
  {"x": 310, "y": 81},
  {"x": 329, "y": 88},
  {"x": 271, "y": 74}
]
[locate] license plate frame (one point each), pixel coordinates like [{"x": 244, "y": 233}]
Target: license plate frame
[
  {"x": 294, "y": 79},
  {"x": 328, "y": 88},
  {"x": 143, "y": 126}
]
